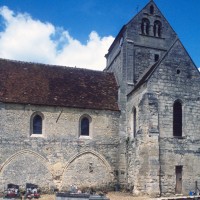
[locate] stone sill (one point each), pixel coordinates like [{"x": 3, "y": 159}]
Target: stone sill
[
  {"x": 37, "y": 136},
  {"x": 82, "y": 137}
]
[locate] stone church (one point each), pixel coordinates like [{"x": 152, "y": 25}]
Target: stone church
[{"x": 135, "y": 124}]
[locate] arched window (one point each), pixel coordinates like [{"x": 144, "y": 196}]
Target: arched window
[
  {"x": 177, "y": 119},
  {"x": 134, "y": 121},
  {"x": 151, "y": 9},
  {"x": 85, "y": 126},
  {"x": 145, "y": 26},
  {"x": 36, "y": 124},
  {"x": 157, "y": 28}
]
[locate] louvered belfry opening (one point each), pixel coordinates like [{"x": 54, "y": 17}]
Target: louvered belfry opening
[{"x": 177, "y": 119}]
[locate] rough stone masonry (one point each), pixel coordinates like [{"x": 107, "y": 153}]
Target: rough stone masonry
[{"x": 135, "y": 124}]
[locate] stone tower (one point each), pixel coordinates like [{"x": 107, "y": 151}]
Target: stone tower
[
  {"x": 153, "y": 70},
  {"x": 139, "y": 44}
]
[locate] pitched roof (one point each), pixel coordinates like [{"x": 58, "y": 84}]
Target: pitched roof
[{"x": 39, "y": 84}]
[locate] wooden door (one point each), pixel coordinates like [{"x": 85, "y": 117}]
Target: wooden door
[{"x": 178, "y": 179}]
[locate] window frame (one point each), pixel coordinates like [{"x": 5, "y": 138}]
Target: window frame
[
  {"x": 89, "y": 136},
  {"x": 32, "y": 134}
]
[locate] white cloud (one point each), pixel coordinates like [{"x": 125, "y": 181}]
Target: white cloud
[{"x": 26, "y": 39}]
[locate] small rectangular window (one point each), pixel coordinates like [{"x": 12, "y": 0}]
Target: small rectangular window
[{"x": 156, "y": 57}]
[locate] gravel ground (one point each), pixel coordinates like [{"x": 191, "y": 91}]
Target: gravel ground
[
  {"x": 111, "y": 195},
  {"x": 120, "y": 196},
  {"x": 124, "y": 196}
]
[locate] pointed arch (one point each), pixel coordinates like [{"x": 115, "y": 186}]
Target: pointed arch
[
  {"x": 43, "y": 160},
  {"x": 90, "y": 165},
  {"x": 89, "y": 152},
  {"x": 27, "y": 166}
]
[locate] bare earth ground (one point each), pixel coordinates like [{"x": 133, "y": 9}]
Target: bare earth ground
[
  {"x": 123, "y": 196},
  {"x": 118, "y": 196},
  {"x": 111, "y": 195}
]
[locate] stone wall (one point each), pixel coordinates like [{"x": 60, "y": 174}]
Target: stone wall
[
  {"x": 116, "y": 63},
  {"x": 178, "y": 78},
  {"x": 155, "y": 153},
  {"x": 132, "y": 53},
  {"x": 143, "y": 149},
  {"x": 60, "y": 157}
]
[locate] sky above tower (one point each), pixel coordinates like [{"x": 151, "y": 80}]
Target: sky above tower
[{"x": 79, "y": 32}]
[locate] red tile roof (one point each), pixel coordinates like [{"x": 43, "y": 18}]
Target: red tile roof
[{"x": 30, "y": 83}]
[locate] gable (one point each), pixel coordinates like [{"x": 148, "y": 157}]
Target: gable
[
  {"x": 175, "y": 72},
  {"x": 152, "y": 39},
  {"x": 39, "y": 84},
  {"x": 132, "y": 30},
  {"x": 146, "y": 38}
]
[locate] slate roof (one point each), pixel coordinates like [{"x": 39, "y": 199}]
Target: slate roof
[{"x": 39, "y": 84}]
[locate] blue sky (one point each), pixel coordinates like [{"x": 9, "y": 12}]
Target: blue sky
[{"x": 83, "y": 26}]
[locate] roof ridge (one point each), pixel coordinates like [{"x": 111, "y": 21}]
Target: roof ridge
[{"x": 48, "y": 65}]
